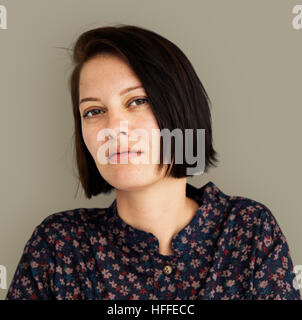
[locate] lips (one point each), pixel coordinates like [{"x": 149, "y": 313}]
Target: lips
[{"x": 126, "y": 151}]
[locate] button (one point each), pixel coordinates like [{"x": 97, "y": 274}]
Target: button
[{"x": 167, "y": 269}]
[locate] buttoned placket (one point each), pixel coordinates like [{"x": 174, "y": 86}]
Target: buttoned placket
[{"x": 145, "y": 243}]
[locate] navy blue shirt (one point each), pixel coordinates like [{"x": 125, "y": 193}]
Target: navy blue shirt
[{"x": 233, "y": 248}]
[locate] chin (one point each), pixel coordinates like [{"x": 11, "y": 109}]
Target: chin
[
  {"x": 130, "y": 185},
  {"x": 125, "y": 177}
]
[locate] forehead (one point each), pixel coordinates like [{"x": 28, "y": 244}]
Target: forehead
[
  {"x": 104, "y": 66},
  {"x": 107, "y": 72}
]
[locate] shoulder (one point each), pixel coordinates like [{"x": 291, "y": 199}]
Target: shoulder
[
  {"x": 69, "y": 225},
  {"x": 251, "y": 214},
  {"x": 241, "y": 217},
  {"x": 253, "y": 226},
  {"x": 249, "y": 231},
  {"x": 236, "y": 211},
  {"x": 227, "y": 204},
  {"x": 75, "y": 216}
]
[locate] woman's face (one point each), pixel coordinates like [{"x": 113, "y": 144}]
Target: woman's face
[{"x": 103, "y": 78}]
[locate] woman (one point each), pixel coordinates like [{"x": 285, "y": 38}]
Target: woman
[{"x": 161, "y": 238}]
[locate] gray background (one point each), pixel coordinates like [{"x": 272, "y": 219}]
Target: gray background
[{"x": 247, "y": 55}]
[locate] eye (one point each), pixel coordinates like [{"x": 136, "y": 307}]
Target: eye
[
  {"x": 91, "y": 111},
  {"x": 140, "y": 99},
  {"x": 98, "y": 111}
]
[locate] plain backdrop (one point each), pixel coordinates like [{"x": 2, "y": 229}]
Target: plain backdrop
[{"x": 248, "y": 57}]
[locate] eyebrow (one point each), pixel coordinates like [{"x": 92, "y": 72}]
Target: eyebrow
[{"x": 121, "y": 94}]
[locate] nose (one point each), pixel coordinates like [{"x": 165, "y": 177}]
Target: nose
[{"x": 117, "y": 123}]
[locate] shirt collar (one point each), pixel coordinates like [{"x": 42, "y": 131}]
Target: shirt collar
[{"x": 211, "y": 200}]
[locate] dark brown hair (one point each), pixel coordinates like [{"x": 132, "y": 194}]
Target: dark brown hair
[{"x": 175, "y": 93}]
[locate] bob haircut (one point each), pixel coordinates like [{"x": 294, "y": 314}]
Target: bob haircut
[{"x": 175, "y": 93}]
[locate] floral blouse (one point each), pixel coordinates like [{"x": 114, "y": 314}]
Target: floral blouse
[{"x": 233, "y": 248}]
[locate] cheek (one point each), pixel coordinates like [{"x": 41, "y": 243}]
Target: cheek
[
  {"x": 89, "y": 137},
  {"x": 153, "y": 132}
]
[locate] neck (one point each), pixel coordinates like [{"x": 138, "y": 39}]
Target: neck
[{"x": 161, "y": 208}]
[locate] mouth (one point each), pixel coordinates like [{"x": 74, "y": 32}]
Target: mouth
[{"x": 126, "y": 153}]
